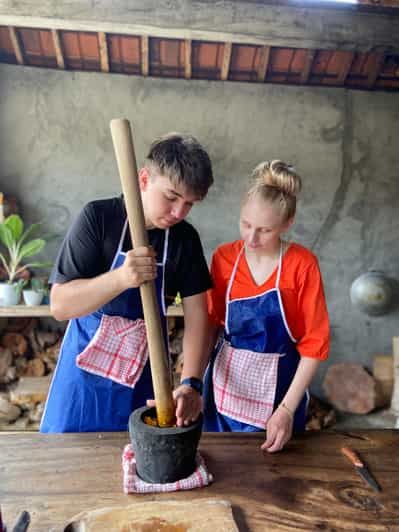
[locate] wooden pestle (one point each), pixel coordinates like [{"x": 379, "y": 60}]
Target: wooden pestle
[{"x": 161, "y": 381}]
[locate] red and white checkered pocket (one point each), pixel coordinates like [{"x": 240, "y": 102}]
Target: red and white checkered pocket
[
  {"x": 245, "y": 384},
  {"x": 118, "y": 350}
]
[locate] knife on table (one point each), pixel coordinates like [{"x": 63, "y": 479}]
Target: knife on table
[{"x": 360, "y": 467}]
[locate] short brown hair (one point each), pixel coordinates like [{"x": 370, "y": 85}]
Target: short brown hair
[{"x": 182, "y": 159}]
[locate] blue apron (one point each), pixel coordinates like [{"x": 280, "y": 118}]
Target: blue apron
[
  {"x": 255, "y": 328},
  {"x": 79, "y": 401}
]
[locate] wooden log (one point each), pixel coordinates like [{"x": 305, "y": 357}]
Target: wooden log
[
  {"x": 35, "y": 368},
  {"x": 383, "y": 374},
  {"x": 30, "y": 390},
  {"x": 16, "y": 342},
  {"x": 8, "y": 411},
  {"x": 5, "y": 361},
  {"x": 350, "y": 388},
  {"x": 395, "y": 395}
]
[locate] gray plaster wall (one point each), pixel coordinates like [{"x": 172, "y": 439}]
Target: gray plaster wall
[{"x": 56, "y": 154}]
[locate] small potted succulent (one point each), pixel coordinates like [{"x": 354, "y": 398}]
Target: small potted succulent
[
  {"x": 34, "y": 290},
  {"x": 15, "y": 240}
]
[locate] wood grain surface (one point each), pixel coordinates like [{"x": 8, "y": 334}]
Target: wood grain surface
[{"x": 308, "y": 486}]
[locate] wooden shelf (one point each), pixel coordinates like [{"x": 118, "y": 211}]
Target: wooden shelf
[
  {"x": 22, "y": 311},
  {"x": 174, "y": 311}
]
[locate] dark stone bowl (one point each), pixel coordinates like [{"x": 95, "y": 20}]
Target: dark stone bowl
[{"x": 163, "y": 454}]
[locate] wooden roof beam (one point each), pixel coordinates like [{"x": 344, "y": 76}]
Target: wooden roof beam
[
  {"x": 16, "y": 44},
  {"x": 104, "y": 59},
  {"x": 345, "y": 68},
  {"x": 260, "y": 22},
  {"x": 307, "y": 68},
  {"x": 263, "y": 63},
  {"x": 145, "y": 68},
  {"x": 224, "y": 71},
  {"x": 59, "y": 55},
  {"x": 379, "y": 59},
  {"x": 187, "y": 58}
]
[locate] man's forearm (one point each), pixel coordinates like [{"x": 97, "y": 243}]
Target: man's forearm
[{"x": 82, "y": 296}]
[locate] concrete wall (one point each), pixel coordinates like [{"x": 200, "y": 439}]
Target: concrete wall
[{"x": 56, "y": 154}]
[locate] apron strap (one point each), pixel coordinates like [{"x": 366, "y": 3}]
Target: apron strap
[
  {"x": 163, "y": 263},
  {"x": 228, "y": 291},
  {"x": 280, "y": 262}
]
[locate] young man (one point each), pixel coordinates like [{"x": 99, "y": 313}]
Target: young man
[{"x": 95, "y": 285}]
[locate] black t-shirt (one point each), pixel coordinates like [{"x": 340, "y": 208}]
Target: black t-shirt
[{"x": 92, "y": 241}]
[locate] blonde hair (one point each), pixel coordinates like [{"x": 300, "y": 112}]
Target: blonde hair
[{"x": 278, "y": 183}]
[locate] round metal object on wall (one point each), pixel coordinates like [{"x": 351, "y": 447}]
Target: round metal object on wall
[{"x": 371, "y": 293}]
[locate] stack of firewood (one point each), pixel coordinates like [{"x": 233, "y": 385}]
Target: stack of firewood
[{"x": 28, "y": 355}]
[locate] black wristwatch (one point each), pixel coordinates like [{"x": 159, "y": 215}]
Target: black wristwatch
[{"x": 194, "y": 383}]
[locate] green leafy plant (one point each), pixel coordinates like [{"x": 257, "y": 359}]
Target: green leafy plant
[{"x": 15, "y": 240}]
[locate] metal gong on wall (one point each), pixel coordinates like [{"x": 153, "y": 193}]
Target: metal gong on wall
[{"x": 371, "y": 293}]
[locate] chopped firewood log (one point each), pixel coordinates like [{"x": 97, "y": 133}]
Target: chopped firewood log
[
  {"x": 395, "y": 394},
  {"x": 8, "y": 411},
  {"x": 30, "y": 391},
  {"x": 5, "y": 361},
  {"x": 36, "y": 348},
  {"x": 21, "y": 363},
  {"x": 16, "y": 342},
  {"x": 35, "y": 368},
  {"x": 11, "y": 374},
  {"x": 35, "y": 414},
  {"x": 383, "y": 374},
  {"x": 47, "y": 338},
  {"x": 22, "y": 423},
  {"x": 320, "y": 415},
  {"x": 350, "y": 388}
]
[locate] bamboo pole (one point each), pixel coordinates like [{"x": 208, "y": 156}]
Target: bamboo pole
[{"x": 126, "y": 159}]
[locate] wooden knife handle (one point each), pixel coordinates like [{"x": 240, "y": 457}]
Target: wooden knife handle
[{"x": 352, "y": 456}]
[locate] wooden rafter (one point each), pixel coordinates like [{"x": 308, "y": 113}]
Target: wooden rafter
[
  {"x": 375, "y": 70},
  {"x": 187, "y": 59},
  {"x": 345, "y": 68},
  {"x": 263, "y": 63},
  {"x": 59, "y": 55},
  {"x": 102, "y": 42},
  {"x": 307, "y": 68},
  {"x": 224, "y": 71},
  {"x": 144, "y": 56},
  {"x": 16, "y": 44}
]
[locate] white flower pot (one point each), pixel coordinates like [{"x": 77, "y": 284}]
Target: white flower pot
[
  {"x": 9, "y": 294},
  {"x": 32, "y": 298}
]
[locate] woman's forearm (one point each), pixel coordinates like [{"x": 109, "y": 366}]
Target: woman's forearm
[
  {"x": 82, "y": 296},
  {"x": 305, "y": 372}
]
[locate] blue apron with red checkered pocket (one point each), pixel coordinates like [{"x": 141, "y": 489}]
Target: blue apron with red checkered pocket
[
  {"x": 253, "y": 365},
  {"x": 103, "y": 371}
]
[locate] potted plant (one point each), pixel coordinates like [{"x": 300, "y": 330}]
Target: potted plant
[
  {"x": 34, "y": 290},
  {"x": 15, "y": 240}
]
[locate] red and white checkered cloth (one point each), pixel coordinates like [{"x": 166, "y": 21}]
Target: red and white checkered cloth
[
  {"x": 118, "y": 350},
  {"x": 133, "y": 484},
  {"x": 245, "y": 384}
]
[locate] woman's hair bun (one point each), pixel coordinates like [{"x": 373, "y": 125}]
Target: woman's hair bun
[{"x": 280, "y": 175}]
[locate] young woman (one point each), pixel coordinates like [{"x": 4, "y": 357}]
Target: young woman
[{"x": 268, "y": 299}]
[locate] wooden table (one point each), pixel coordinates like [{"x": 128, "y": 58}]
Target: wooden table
[{"x": 308, "y": 486}]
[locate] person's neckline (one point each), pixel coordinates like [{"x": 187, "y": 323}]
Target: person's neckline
[{"x": 286, "y": 247}]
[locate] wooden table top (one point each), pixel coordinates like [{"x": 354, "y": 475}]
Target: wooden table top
[{"x": 308, "y": 486}]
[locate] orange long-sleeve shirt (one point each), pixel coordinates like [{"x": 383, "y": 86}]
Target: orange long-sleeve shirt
[{"x": 301, "y": 289}]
